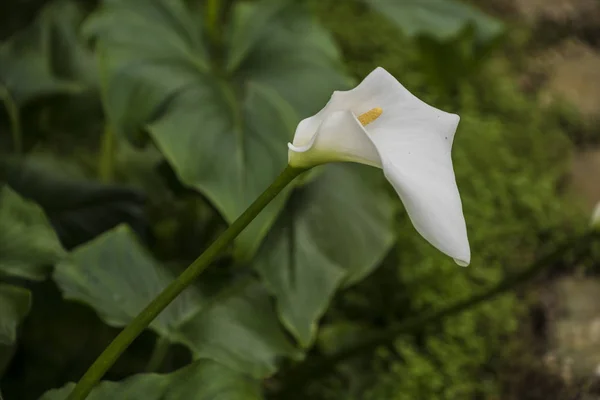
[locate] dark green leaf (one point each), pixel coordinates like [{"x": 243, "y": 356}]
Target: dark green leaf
[
  {"x": 15, "y": 303},
  {"x": 290, "y": 53},
  {"x": 336, "y": 337},
  {"x": 28, "y": 244},
  {"x": 202, "y": 380},
  {"x": 224, "y": 135},
  {"x": 78, "y": 209},
  {"x": 241, "y": 332},
  {"x": 336, "y": 231},
  {"x": 45, "y": 59},
  {"x": 26, "y": 58},
  {"x": 231, "y": 169},
  {"x": 69, "y": 57},
  {"x": 442, "y": 19},
  {"x": 117, "y": 277}
]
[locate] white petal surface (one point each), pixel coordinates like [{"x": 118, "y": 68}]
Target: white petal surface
[
  {"x": 340, "y": 137},
  {"x": 414, "y": 141},
  {"x": 411, "y": 141}
]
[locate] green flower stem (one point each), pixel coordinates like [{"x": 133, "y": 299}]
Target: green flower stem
[
  {"x": 14, "y": 118},
  {"x": 161, "y": 349},
  {"x": 297, "y": 378},
  {"x": 143, "y": 319},
  {"x": 107, "y": 155},
  {"x": 212, "y": 13}
]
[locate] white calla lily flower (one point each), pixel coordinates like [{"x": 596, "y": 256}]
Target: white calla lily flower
[{"x": 380, "y": 123}]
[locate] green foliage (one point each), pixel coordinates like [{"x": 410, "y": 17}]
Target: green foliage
[
  {"x": 197, "y": 109},
  {"x": 440, "y": 19},
  {"x": 28, "y": 244},
  {"x": 202, "y": 380},
  {"x": 117, "y": 277},
  {"x": 230, "y": 148},
  {"x": 78, "y": 208},
  {"x": 40, "y": 61},
  {"x": 15, "y": 303},
  {"x": 101, "y": 271},
  {"x": 28, "y": 58},
  {"x": 306, "y": 257},
  {"x": 28, "y": 248}
]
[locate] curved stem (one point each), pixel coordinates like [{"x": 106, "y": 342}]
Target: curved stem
[
  {"x": 212, "y": 14},
  {"x": 14, "y": 117},
  {"x": 108, "y": 142},
  {"x": 161, "y": 349},
  {"x": 300, "y": 376},
  {"x": 107, "y": 155},
  {"x": 143, "y": 319}
]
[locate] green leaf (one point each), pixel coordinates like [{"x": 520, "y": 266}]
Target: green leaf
[
  {"x": 28, "y": 244},
  {"x": 78, "y": 209},
  {"x": 242, "y": 332},
  {"x": 26, "y": 70},
  {"x": 202, "y": 380},
  {"x": 442, "y": 19},
  {"x": 15, "y": 303},
  {"x": 225, "y": 134},
  {"x": 231, "y": 168},
  {"x": 289, "y": 52},
  {"x": 336, "y": 231},
  {"x": 70, "y": 58},
  {"x": 43, "y": 60},
  {"x": 116, "y": 276},
  {"x": 338, "y": 336}
]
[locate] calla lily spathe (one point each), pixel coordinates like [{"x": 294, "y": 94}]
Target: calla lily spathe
[{"x": 380, "y": 123}]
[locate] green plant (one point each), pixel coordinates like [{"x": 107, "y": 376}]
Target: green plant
[{"x": 197, "y": 104}]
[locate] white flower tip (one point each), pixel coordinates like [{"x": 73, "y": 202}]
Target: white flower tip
[
  {"x": 462, "y": 263},
  {"x": 462, "y": 253},
  {"x": 456, "y": 118}
]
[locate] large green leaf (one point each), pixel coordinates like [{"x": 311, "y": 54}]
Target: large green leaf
[
  {"x": 442, "y": 19},
  {"x": 223, "y": 128},
  {"x": 202, "y": 380},
  {"x": 28, "y": 244},
  {"x": 241, "y": 332},
  {"x": 70, "y": 57},
  {"x": 336, "y": 231},
  {"x": 78, "y": 209},
  {"x": 26, "y": 63},
  {"x": 117, "y": 277},
  {"x": 44, "y": 59},
  {"x": 14, "y": 306}
]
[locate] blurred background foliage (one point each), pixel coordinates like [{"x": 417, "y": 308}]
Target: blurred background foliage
[{"x": 133, "y": 131}]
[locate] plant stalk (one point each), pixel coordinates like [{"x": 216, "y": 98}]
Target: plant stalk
[
  {"x": 212, "y": 15},
  {"x": 114, "y": 350},
  {"x": 108, "y": 147},
  {"x": 161, "y": 349},
  {"x": 14, "y": 117}
]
